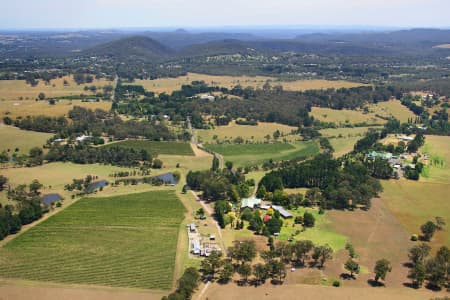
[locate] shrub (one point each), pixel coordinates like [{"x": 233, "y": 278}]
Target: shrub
[
  {"x": 336, "y": 283},
  {"x": 414, "y": 237}
]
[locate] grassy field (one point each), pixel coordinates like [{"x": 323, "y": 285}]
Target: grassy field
[
  {"x": 344, "y": 116},
  {"x": 23, "y": 108},
  {"x": 322, "y": 233},
  {"x": 343, "y": 139},
  {"x": 438, "y": 150},
  {"x": 16, "y": 89},
  {"x": 168, "y": 148},
  {"x": 13, "y": 138},
  {"x": 253, "y": 154},
  {"x": 253, "y": 133},
  {"x": 392, "y": 108},
  {"x": 414, "y": 203},
  {"x": 124, "y": 241},
  {"x": 168, "y": 85}
]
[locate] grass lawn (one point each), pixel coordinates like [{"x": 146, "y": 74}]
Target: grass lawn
[
  {"x": 414, "y": 203},
  {"x": 24, "y": 140},
  {"x": 253, "y": 154},
  {"x": 123, "y": 241},
  {"x": 169, "y": 148},
  {"x": 252, "y": 133},
  {"x": 320, "y": 234}
]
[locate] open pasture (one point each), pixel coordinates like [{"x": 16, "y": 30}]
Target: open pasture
[
  {"x": 23, "y": 108},
  {"x": 168, "y": 148},
  {"x": 254, "y": 154},
  {"x": 24, "y": 140},
  {"x": 392, "y": 108},
  {"x": 123, "y": 241},
  {"x": 344, "y": 116},
  {"x": 247, "y": 132},
  {"x": 343, "y": 139},
  {"x": 169, "y": 85},
  {"x": 19, "y": 89},
  {"x": 414, "y": 203},
  {"x": 438, "y": 165}
]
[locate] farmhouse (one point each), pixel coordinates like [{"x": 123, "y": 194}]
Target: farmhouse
[{"x": 251, "y": 202}]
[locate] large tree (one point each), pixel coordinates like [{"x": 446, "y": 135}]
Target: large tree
[{"x": 382, "y": 267}]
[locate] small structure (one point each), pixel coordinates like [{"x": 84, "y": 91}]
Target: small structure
[
  {"x": 196, "y": 247},
  {"x": 83, "y": 138},
  {"x": 405, "y": 138},
  {"x": 284, "y": 213},
  {"x": 207, "y": 97},
  {"x": 251, "y": 202},
  {"x": 192, "y": 227},
  {"x": 382, "y": 155}
]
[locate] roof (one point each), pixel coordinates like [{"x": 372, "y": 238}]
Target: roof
[
  {"x": 250, "y": 202},
  {"x": 382, "y": 155},
  {"x": 283, "y": 212}
]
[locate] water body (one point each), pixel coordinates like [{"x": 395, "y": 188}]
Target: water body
[
  {"x": 96, "y": 185},
  {"x": 51, "y": 198}
]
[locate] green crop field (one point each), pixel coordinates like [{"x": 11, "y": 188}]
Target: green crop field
[
  {"x": 169, "y": 148},
  {"x": 253, "y": 154},
  {"x": 122, "y": 241}
]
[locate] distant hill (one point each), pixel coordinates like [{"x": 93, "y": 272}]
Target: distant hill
[
  {"x": 223, "y": 47},
  {"x": 135, "y": 47}
]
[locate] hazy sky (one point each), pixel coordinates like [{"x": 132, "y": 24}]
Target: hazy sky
[{"x": 198, "y": 13}]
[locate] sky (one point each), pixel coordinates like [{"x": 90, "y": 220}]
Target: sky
[{"x": 38, "y": 14}]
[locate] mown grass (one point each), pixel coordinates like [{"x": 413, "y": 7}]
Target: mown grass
[
  {"x": 344, "y": 116},
  {"x": 12, "y": 138},
  {"x": 168, "y": 148},
  {"x": 437, "y": 168},
  {"x": 255, "y": 154},
  {"x": 123, "y": 241},
  {"x": 321, "y": 234},
  {"x": 343, "y": 139},
  {"x": 392, "y": 108}
]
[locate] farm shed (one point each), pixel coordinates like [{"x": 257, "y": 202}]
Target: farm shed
[{"x": 251, "y": 202}]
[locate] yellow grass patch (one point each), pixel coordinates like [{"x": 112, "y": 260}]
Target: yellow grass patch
[
  {"x": 14, "y": 89},
  {"x": 23, "y": 108},
  {"x": 12, "y": 138},
  {"x": 343, "y": 139},
  {"x": 344, "y": 116},
  {"x": 254, "y": 133},
  {"x": 168, "y": 85}
]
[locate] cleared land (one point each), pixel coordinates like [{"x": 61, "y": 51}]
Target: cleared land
[
  {"x": 343, "y": 139},
  {"x": 124, "y": 241},
  {"x": 16, "y": 89},
  {"x": 253, "y": 154},
  {"x": 322, "y": 232},
  {"x": 24, "y": 140},
  {"x": 344, "y": 116},
  {"x": 23, "y": 108},
  {"x": 438, "y": 165},
  {"x": 168, "y": 148},
  {"x": 392, "y": 108},
  {"x": 251, "y": 133},
  {"x": 414, "y": 203},
  {"x": 169, "y": 85}
]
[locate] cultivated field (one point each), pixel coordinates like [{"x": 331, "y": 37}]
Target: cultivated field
[
  {"x": 124, "y": 241},
  {"x": 12, "y": 138},
  {"x": 392, "y": 108},
  {"x": 168, "y": 148},
  {"x": 169, "y": 85},
  {"x": 253, "y": 154},
  {"x": 23, "y": 108},
  {"x": 19, "y": 89},
  {"x": 252, "y": 133},
  {"x": 344, "y": 116}
]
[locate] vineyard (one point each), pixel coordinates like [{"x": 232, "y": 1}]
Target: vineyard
[{"x": 123, "y": 241}]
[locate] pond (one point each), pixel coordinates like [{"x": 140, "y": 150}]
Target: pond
[
  {"x": 96, "y": 185},
  {"x": 51, "y": 198}
]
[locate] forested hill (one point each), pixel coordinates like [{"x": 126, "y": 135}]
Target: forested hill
[{"x": 137, "y": 47}]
